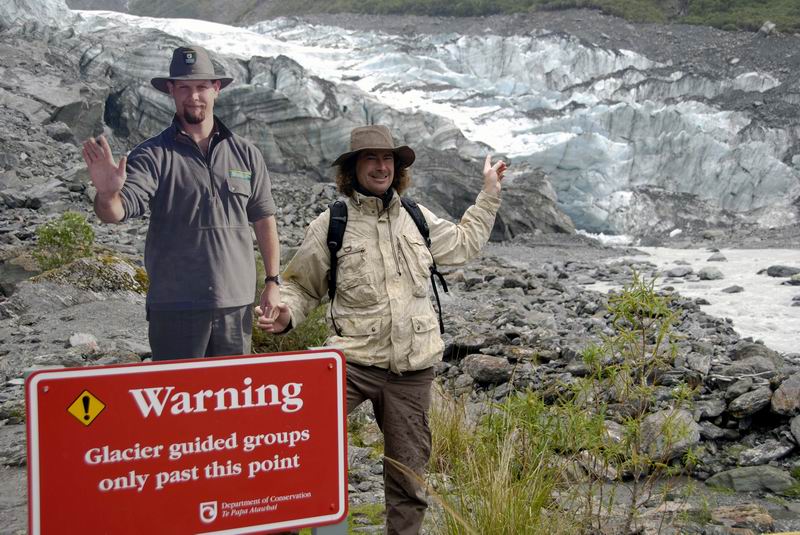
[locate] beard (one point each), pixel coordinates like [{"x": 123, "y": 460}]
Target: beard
[{"x": 194, "y": 116}]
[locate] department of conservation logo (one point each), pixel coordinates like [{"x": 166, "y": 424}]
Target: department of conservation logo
[{"x": 208, "y": 512}]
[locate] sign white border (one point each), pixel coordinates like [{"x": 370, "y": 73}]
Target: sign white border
[{"x": 71, "y": 373}]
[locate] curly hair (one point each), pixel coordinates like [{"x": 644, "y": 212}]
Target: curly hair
[{"x": 346, "y": 177}]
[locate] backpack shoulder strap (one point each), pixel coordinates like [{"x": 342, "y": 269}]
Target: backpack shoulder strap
[
  {"x": 419, "y": 220},
  {"x": 336, "y": 228}
]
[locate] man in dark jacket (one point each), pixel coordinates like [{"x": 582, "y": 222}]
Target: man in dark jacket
[{"x": 204, "y": 186}]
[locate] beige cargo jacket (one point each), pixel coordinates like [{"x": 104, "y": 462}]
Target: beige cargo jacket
[{"x": 383, "y": 304}]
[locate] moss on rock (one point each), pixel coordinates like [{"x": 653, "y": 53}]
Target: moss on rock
[{"x": 104, "y": 273}]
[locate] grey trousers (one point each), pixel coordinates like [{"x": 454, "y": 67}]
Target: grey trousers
[
  {"x": 401, "y": 404},
  {"x": 184, "y": 334}
]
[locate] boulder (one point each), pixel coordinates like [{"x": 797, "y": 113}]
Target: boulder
[
  {"x": 786, "y": 399},
  {"x": 744, "y": 350},
  {"x": 710, "y": 274},
  {"x": 762, "y": 366},
  {"x": 710, "y": 408},
  {"x": 735, "y": 289},
  {"x": 782, "y": 271},
  {"x": 750, "y": 403},
  {"x": 794, "y": 427},
  {"x": 769, "y": 450},
  {"x": 679, "y": 271},
  {"x": 669, "y": 433},
  {"x": 753, "y": 479},
  {"x": 487, "y": 369}
]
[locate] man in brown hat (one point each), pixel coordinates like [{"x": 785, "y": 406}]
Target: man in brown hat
[
  {"x": 381, "y": 311},
  {"x": 204, "y": 187}
]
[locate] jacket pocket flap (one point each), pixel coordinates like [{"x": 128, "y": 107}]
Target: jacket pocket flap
[
  {"x": 349, "y": 282},
  {"x": 415, "y": 239},
  {"x": 424, "y": 324},
  {"x": 239, "y": 186},
  {"x": 355, "y": 326}
]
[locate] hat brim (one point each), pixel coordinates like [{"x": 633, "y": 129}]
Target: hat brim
[
  {"x": 404, "y": 155},
  {"x": 161, "y": 83}
]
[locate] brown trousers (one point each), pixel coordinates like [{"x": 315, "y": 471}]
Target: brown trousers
[{"x": 401, "y": 404}]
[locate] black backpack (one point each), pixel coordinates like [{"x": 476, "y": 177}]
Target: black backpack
[{"x": 336, "y": 228}]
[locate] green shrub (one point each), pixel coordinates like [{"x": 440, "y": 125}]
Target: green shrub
[
  {"x": 624, "y": 372},
  {"x": 63, "y": 240},
  {"x": 538, "y": 463},
  {"x": 745, "y": 14}
]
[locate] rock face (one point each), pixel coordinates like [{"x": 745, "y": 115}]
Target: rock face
[
  {"x": 113, "y": 5},
  {"x": 300, "y": 122},
  {"x": 621, "y": 135},
  {"x": 631, "y": 142},
  {"x": 46, "y": 12}
]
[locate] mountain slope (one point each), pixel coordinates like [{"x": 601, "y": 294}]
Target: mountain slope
[{"x": 730, "y": 15}]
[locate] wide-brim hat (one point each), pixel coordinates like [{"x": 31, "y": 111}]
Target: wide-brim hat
[
  {"x": 189, "y": 63},
  {"x": 376, "y": 137}
]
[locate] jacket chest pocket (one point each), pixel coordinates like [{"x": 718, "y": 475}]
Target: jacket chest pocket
[
  {"x": 238, "y": 196},
  {"x": 355, "y": 285},
  {"x": 228, "y": 208},
  {"x": 418, "y": 261},
  {"x": 238, "y": 187}
]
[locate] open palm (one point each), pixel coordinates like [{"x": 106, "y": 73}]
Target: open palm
[{"x": 107, "y": 176}]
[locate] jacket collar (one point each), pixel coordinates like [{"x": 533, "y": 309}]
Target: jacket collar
[
  {"x": 372, "y": 204},
  {"x": 219, "y": 128}
]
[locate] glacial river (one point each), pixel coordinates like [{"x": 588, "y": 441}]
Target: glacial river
[{"x": 762, "y": 311}]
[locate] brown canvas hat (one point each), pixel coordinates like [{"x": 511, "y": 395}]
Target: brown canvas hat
[
  {"x": 376, "y": 137},
  {"x": 189, "y": 63}
]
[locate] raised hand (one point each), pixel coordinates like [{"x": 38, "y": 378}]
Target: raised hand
[
  {"x": 493, "y": 175},
  {"x": 107, "y": 176}
]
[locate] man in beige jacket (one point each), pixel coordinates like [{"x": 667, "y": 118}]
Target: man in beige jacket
[{"x": 383, "y": 317}]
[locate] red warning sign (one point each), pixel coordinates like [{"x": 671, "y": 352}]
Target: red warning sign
[{"x": 228, "y": 445}]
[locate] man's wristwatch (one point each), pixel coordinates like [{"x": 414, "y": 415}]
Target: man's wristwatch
[{"x": 273, "y": 278}]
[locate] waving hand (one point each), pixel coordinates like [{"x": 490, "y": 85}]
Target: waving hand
[
  {"x": 107, "y": 176},
  {"x": 493, "y": 175}
]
